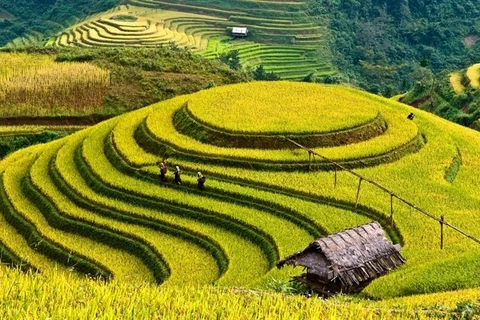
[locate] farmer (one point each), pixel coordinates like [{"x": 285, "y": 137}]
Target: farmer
[
  {"x": 163, "y": 170},
  {"x": 201, "y": 180},
  {"x": 177, "y": 173}
]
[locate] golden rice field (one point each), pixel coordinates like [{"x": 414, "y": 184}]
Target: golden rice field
[
  {"x": 37, "y": 85},
  {"x": 303, "y": 110},
  {"x": 57, "y": 296},
  {"x": 455, "y": 81},
  {"x": 473, "y": 73},
  {"x": 92, "y": 203}
]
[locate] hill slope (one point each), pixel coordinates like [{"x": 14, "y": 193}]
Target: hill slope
[
  {"x": 451, "y": 95},
  {"x": 377, "y": 45},
  {"x": 81, "y": 82},
  {"x": 281, "y": 36},
  {"x": 94, "y": 198}
]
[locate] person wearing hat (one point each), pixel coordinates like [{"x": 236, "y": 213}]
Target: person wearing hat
[
  {"x": 201, "y": 180},
  {"x": 177, "y": 173},
  {"x": 163, "y": 170}
]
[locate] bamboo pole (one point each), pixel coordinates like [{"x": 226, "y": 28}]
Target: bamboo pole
[
  {"x": 358, "y": 192},
  {"x": 309, "y": 160},
  {"x": 441, "y": 232},
  {"x": 391, "y": 209},
  {"x": 335, "y": 176}
]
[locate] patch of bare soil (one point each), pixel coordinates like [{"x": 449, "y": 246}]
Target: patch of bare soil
[{"x": 420, "y": 101}]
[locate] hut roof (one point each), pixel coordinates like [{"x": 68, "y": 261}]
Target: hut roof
[
  {"x": 354, "y": 255},
  {"x": 239, "y": 30}
]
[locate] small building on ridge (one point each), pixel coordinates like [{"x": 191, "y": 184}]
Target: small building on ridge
[
  {"x": 346, "y": 261},
  {"x": 239, "y": 32}
]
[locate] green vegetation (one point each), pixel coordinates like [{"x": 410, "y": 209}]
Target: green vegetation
[
  {"x": 205, "y": 29},
  {"x": 16, "y": 141},
  {"x": 454, "y": 96},
  {"x": 381, "y": 45},
  {"x": 33, "y": 20}
]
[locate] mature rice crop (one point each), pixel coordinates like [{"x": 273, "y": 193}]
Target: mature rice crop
[
  {"x": 56, "y": 296},
  {"x": 36, "y": 85},
  {"x": 473, "y": 73},
  {"x": 400, "y": 130},
  {"x": 455, "y": 81},
  {"x": 298, "y": 109},
  {"x": 104, "y": 196}
]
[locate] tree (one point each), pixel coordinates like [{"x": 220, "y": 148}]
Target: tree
[
  {"x": 261, "y": 74},
  {"x": 231, "y": 59}
]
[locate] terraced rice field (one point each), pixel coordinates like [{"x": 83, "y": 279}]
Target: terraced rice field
[
  {"x": 467, "y": 78},
  {"x": 282, "y": 37},
  {"x": 142, "y": 27},
  {"x": 93, "y": 202},
  {"x": 473, "y": 73},
  {"x": 455, "y": 81}
]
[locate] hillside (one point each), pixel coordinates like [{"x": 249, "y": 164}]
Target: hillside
[
  {"x": 66, "y": 296},
  {"x": 31, "y": 21},
  {"x": 282, "y": 37},
  {"x": 376, "y": 45},
  {"x": 59, "y": 82},
  {"x": 382, "y": 45},
  {"x": 451, "y": 95},
  {"x": 92, "y": 202}
]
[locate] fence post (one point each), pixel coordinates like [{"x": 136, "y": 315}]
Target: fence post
[
  {"x": 441, "y": 232},
  {"x": 358, "y": 192},
  {"x": 391, "y": 209},
  {"x": 309, "y": 160},
  {"x": 335, "y": 176}
]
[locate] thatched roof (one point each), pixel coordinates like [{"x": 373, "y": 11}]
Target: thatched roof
[{"x": 353, "y": 256}]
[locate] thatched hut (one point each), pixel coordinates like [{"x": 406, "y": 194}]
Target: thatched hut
[{"x": 346, "y": 261}]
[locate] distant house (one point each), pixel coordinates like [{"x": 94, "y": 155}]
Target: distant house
[
  {"x": 239, "y": 32},
  {"x": 346, "y": 261}
]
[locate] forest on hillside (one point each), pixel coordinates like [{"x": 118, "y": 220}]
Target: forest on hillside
[{"x": 383, "y": 46}]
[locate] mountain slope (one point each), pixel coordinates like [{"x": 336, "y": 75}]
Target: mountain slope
[
  {"x": 101, "y": 185},
  {"x": 451, "y": 95}
]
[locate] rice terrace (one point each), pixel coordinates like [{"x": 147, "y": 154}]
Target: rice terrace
[
  {"x": 92, "y": 204},
  {"x": 282, "y": 38}
]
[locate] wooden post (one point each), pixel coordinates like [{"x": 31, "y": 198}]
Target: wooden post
[
  {"x": 358, "y": 192},
  {"x": 391, "y": 209},
  {"x": 441, "y": 232},
  {"x": 335, "y": 177},
  {"x": 309, "y": 160}
]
